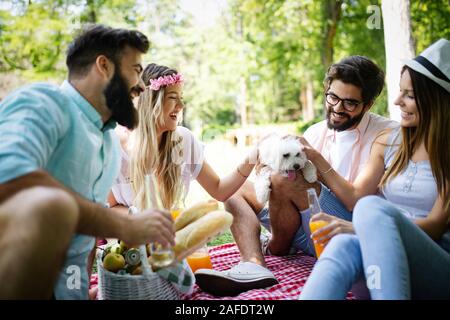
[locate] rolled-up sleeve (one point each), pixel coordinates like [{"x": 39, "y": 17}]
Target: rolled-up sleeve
[{"x": 31, "y": 124}]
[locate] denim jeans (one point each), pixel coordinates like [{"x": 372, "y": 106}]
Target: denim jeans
[
  {"x": 397, "y": 259},
  {"x": 302, "y": 241}
]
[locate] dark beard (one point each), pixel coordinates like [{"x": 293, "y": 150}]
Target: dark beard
[
  {"x": 345, "y": 125},
  {"x": 119, "y": 101}
]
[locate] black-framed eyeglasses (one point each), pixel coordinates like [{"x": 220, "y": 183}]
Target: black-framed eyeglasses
[{"x": 349, "y": 104}]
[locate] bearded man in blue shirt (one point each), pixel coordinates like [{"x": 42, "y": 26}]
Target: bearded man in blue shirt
[{"x": 59, "y": 157}]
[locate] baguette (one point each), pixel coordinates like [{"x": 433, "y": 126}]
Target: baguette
[
  {"x": 195, "y": 212},
  {"x": 198, "y": 233}
]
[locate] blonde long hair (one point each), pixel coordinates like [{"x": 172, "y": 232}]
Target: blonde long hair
[
  {"x": 433, "y": 105},
  {"x": 146, "y": 156}
]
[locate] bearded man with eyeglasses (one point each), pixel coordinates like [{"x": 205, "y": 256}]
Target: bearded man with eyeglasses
[{"x": 344, "y": 138}]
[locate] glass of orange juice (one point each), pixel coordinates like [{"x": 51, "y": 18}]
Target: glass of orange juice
[
  {"x": 314, "y": 207},
  {"x": 161, "y": 256},
  {"x": 200, "y": 259},
  {"x": 175, "y": 212}
]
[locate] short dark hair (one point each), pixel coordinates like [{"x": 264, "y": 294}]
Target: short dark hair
[
  {"x": 359, "y": 71},
  {"x": 95, "y": 40}
]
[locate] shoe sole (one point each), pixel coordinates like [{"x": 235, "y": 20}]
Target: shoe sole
[{"x": 220, "y": 285}]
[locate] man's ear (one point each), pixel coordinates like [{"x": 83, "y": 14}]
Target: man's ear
[
  {"x": 104, "y": 67},
  {"x": 369, "y": 105}
]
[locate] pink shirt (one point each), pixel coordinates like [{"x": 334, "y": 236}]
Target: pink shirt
[{"x": 348, "y": 151}]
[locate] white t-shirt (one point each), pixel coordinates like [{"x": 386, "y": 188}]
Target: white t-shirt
[
  {"x": 348, "y": 151},
  {"x": 191, "y": 163}
]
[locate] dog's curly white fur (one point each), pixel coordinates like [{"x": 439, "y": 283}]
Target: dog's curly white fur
[{"x": 283, "y": 155}]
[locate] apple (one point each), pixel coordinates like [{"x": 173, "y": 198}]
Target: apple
[{"x": 113, "y": 262}]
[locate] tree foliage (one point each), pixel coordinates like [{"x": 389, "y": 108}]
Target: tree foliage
[{"x": 260, "y": 57}]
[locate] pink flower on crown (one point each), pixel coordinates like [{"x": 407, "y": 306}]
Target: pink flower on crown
[{"x": 156, "y": 84}]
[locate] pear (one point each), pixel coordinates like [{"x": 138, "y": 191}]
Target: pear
[
  {"x": 116, "y": 248},
  {"x": 123, "y": 246},
  {"x": 106, "y": 251},
  {"x": 113, "y": 262}
]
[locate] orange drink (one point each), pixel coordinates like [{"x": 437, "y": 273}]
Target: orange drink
[
  {"x": 313, "y": 226},
  {"x": 199, "y": 260},
  {"x": 175, "y": 213}
]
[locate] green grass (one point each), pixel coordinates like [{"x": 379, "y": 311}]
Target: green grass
[{"x": 227, "y": 237}]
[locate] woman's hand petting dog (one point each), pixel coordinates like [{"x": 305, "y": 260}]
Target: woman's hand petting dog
[{"x": 334, "y": 227}]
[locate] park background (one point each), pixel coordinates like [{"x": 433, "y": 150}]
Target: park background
[{"x": 251, "y": 66}]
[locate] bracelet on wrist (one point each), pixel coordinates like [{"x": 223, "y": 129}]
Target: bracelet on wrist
[{"x": 325, "y": 172}]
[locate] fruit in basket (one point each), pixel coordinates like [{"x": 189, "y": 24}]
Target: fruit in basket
[
  {"x": 123, "y": 246},
  {"x": 137, "y": 271},
  {"x": 130, "y": 269},
  {"x": 106, "y": 251},
  {"x": 116, "y": 248},
  {"x": 113, "y": 262}
]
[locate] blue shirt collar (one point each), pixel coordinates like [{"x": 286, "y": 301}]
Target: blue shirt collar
[{"x": 88, "y": 110}]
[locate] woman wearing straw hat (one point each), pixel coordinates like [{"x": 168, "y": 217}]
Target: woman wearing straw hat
[{"x": 400, "y": 240}]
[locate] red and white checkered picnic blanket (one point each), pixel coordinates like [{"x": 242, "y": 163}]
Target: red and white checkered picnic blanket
[{"x": 291, "y": 272}]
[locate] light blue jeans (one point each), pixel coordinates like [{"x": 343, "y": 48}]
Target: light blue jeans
[
  {"x": 302, "y": 241},
  {"x": 397, "y": 259}
]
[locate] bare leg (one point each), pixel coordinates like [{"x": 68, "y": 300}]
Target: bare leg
[
  {"x": 36, "y": 226},
  {"x": 287, "y": 198},
  {"x": 246, "y": 227}
]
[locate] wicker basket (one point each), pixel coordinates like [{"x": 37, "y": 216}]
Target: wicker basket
[{"x": 148, "y": 286}]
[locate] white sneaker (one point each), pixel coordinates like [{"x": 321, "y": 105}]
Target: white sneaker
[{"x": 242, "y": 277}]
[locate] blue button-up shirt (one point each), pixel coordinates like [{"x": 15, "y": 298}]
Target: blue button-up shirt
[{"x": 56, "y": 129}]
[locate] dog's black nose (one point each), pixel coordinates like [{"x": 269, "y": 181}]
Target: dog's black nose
[{"x": 296, "y": 166}]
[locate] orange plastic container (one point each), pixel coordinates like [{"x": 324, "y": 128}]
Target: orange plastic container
[
  {"x": 200, "y": 259},
  {"x": 313, "y": 226}
]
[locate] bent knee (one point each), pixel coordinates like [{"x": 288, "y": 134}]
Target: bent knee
[
  {"x": 51, "y": 205},
  {"x": 341, "y": 246},
  {"x": 370, "y": 210}
]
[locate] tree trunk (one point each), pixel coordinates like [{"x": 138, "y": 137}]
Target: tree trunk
[
  {"x": 399, "y": 45},
  {"x": 332, "y": 13},
  {"x": 307, "y": 100},
  {"x": 243, "y": 103}
]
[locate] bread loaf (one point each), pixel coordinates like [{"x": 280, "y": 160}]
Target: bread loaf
[
  {"x": 195, "y": 212},
  {"x": 198, "y": 233}
]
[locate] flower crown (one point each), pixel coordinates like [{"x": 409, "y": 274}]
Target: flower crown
[{"x": 156, "y": 84}]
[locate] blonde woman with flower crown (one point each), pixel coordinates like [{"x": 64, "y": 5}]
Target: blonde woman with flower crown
[{"x": 171, "y": 152}]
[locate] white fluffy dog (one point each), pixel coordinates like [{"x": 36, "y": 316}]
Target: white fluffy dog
[{"x": 283, "y": 155}]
